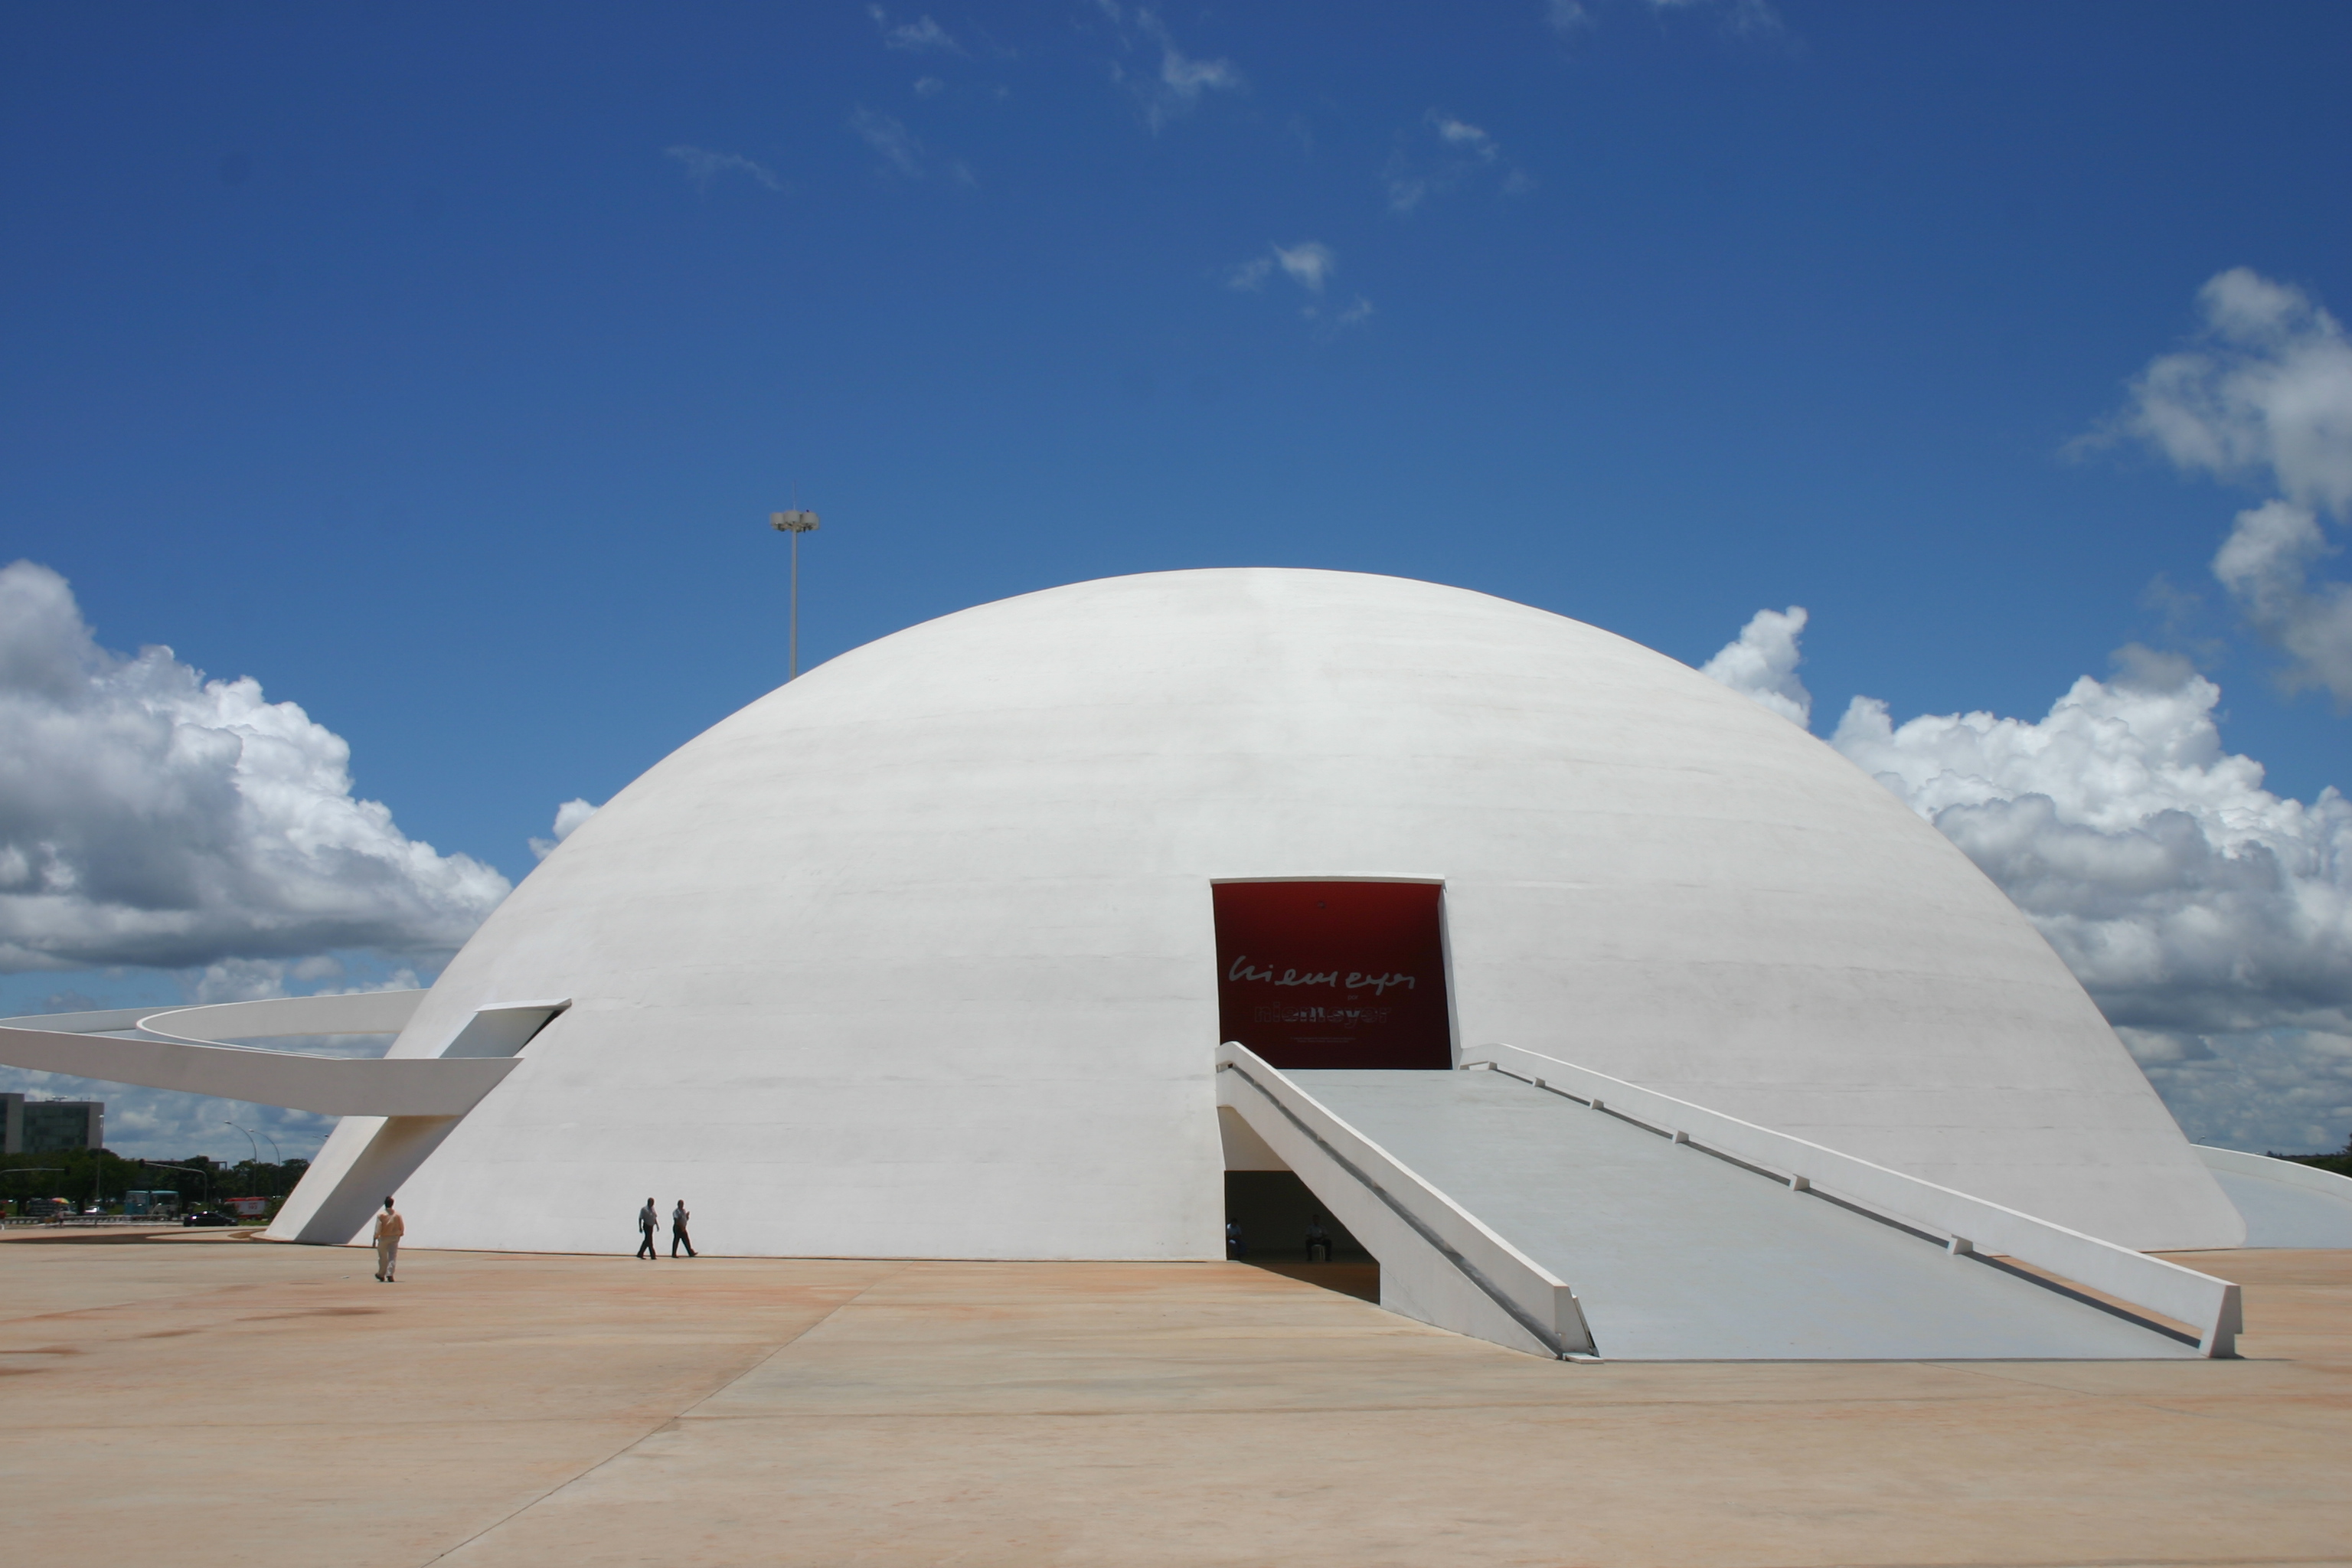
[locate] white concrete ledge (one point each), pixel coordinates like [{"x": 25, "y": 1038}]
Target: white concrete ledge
[
  {"x": 1438, "y": 1262},
  {"x": 2208, "y": 1305}
]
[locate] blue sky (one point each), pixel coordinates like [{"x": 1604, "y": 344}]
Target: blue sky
[{"x": 437, "y": 366}]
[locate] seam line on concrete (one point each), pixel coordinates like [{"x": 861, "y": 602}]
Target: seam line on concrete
[
  {"x": 664, "y": 1425},
  {"x": 1577, "y": 1410}
]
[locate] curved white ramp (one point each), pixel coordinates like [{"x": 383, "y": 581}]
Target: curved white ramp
[
  {"x": 2285, "y": 1204},
  {"x": 1655, "y": 1246}
]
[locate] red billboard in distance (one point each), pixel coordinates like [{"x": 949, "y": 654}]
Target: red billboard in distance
[{"x": 1334, "y": 974}]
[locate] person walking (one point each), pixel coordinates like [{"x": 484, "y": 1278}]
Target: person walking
[
  {"x": 648, "y": 1222},
  {"x": 677, "y": 1237},
  {"x": 389, "y": 1228},
  {"x": 1318, "y": 1239}
]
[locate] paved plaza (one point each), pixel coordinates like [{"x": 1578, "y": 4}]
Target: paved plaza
[{"x": 196, "y": 1399}]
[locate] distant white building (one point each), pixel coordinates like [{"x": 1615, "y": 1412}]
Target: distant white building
[{"x": 928, "y": 953}]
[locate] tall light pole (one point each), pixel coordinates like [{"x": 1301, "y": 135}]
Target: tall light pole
[
  {"x": 193, "y": 1171},
  {"x": 795, "y": 523}
]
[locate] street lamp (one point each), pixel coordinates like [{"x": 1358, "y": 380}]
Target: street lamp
[
  {"x": 253, "y": 1169},
  {"x": 248, "y": 1138},
  {"x": 794, "y": 522},
  {"x": 190, "y": 1170}
]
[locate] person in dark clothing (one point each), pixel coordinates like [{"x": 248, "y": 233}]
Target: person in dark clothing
[
  {"x": 648, "y": 1222},
  {"x": 677, "y": 1237},
  {"x": 1233, "y": 1245},
  {"x": 1317, "y": 1236}
]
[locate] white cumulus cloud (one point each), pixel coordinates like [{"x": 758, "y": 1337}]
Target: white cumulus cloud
[
  {"x": 889, "y": 138},
  {"x": 703, "y": 166},
  {"x": 2264, "y": 392},
  {"x": 1441, "y": 154},
  {"x": 921, "y": 35},
  {"x": 905, "y": 152},
  {"x": 2183, "y": 894},
  {"x": 2265, "y": 565},
  {"x": 1460, "y": 134},
  {"x": 149, "y": 816},
  {"x": 1566, "y": 17},
  {"x": 1308, "y": 263},
  {"x": 1250, "y": 276},
  {"x": 1761, "y": 664},
  {"x": 1180, "y": 81},
  {"x": 568, "y": 816},
  {"x": 2209, "y": 919},
  {"x": 1754, "y": 19}
]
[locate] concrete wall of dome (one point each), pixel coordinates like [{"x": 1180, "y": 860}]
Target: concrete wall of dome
[{"x": 915, "y": 957}]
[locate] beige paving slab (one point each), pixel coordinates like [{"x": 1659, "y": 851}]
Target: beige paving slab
[
  {"x": 278, "y": 1406},
  {"x": 1017, "y": 1338},
  {"x": 935, "y": 1421}
]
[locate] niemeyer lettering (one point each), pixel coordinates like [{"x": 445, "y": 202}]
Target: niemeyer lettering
[{"x": 1357, "y": 980}]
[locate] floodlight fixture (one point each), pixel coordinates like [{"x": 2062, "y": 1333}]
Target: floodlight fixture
[{"x": 794, "y": 522}]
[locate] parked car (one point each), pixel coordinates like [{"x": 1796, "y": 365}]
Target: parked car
[{"x": 208, "y": 1219}]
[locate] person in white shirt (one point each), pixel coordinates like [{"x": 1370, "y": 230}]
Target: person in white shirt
[
  {"x": 389, "y": 1228},
  {"x": 648, "y": 1222},
  {"x": 677, "y": 1237}
]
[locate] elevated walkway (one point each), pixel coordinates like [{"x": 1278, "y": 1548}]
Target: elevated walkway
[
  {"x": 132, "y": 1045},
  {"x": 1552, "y": 1216}
]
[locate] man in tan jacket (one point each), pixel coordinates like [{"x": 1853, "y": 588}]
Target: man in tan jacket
[{"x": 389, "y": 1228}]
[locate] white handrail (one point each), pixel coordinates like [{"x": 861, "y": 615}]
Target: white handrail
[
  {"x": 2209, "y": 1306},
  {"x": 1529, "y": 1294}
]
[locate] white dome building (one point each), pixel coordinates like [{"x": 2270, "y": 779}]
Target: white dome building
[{"x": 920, "y": 955}]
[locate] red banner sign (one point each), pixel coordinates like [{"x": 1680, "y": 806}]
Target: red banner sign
[{"x": 1334, "y": 974}]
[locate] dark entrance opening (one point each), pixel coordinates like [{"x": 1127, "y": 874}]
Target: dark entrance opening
[
  {"x": 1270, "y": 1215},
  {"x": 1334, "y": 974}
]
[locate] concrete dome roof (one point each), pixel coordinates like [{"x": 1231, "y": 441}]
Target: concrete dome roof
[{"x": 915, "y": 956}]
